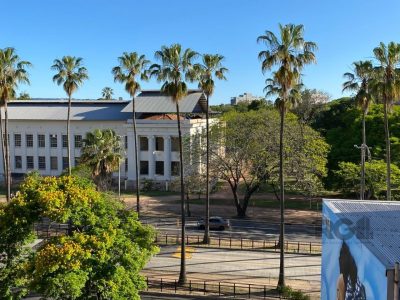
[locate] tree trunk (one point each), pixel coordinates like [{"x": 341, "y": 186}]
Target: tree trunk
[
  {"x": 182, "y": 274},
  {"x": 363, "y": 149},
  {"x": 387, "y": 139},
  {"x": 3, "y": 150},
  {"x": 281, "y": 280},
  {"x": 7, "y": 146},
  {"x": 206, "y": 239},
  {"x": 68, "y": 133},
  {"x": 136, "y": 157}
]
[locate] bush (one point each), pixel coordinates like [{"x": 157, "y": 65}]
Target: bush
[{"x": 289, "y": 293}]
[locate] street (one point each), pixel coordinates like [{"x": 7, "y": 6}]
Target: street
[
  {"x": 255, "y": 267},
  {"x": 244, "y": 228}
]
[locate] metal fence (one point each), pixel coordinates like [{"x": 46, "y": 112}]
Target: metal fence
[
  {"x": 49, "y": 229},
  {"x": 241, "y": 243},
  {"x": 217, "y": 288},
  {"x": 223, "y": 289}
]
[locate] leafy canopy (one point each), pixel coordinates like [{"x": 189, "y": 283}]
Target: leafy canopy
[
  {"x": 70, "y": 73},
  {"x": 101, "y": 257}
]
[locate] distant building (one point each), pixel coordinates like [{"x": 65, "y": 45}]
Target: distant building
[{"x": 246, "y": 97}]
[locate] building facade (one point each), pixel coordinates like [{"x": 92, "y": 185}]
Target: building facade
[
  {"x": 246, "y": 98},
  {"x": 37, "y": 133}
]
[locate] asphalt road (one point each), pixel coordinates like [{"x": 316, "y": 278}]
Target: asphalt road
[
  {"x": 245, "y": 228},
  {"x": 255, "y": 267}
]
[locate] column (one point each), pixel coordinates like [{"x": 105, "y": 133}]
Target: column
[
  {"x": 151, "y": 156},
  {"x": 130, "y": 154},
  {"x": 167, "y": 157}
]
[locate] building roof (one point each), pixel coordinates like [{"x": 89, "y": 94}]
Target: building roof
[
  {"x": 383, "y": 229},
  {"x": 84, "y": 110},
  {"x": 153, "y": 101},
  {"x": 147, "y": 102}
]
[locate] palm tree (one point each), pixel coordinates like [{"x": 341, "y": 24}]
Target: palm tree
[
  {"x": 71, "y": 74},
  {"x": 24, "y": 96},
  {"x": 210, "y": 68},
  {"x": 102, "y": 153},
  {"x": 132, "y": 65},
  {"x": 176, "y": 67},
  {"x": 288, "y": 53},
  {"x": 387, "y": 86},
  {"x": 360, "y": 82},
  {"x": 107, "y": 93},
  {"x": 12, "y": 73}
]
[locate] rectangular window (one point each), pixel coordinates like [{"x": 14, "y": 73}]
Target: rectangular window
[
  {"x": 76, "y": 161},
  {"x": 65, "y": 163},
  {"x": 29, "y": 162},
  {"x": 144, "y": 143},
  {"x": 175, "y": 170},
  {"x": 159, "y": 144},
  {"x": 42, "y": 163},
  {"x": 126, "y": 141},
  {"x": 126, "y": 165},
  {"x": 144, "y": 167},
  {"x": 174, "y": 144},
  {"x": 17, "y": 140},
  {"x": 64, "y": 141},
  {"x": 53, "y": 140},
  {"x": 29, "y": 140},
  {"x": 53, "y": 163},
  {"x": 160, "y": 168},
  {"x": 78, "y": 141},
  {"x": 18, "y": 162},
  {"x": 41, "y": 140}
]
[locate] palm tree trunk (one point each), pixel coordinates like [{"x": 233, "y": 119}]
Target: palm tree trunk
[
  {"x": 2, "y": 149},
  {"x": 136, "y": 149},
  {"x": 7, "y": 146},
  {"x": 281, "y": 280},
  {"x": 182, "y": 274},
  {"x": 363, "y": 148},
  {"x": 68, "y": 139},
  {"x": 206, "y": 239},
  {"x": 387, "y": 139}
]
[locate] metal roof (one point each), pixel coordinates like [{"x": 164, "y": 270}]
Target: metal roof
[
  {"x": 57, "y": 110},
  {"x": 153, "y": 101},
  {"x": 384, "y": 225}
]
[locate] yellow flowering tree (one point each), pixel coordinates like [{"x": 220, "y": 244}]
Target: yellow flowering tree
[{"x": 100, "y": 257}]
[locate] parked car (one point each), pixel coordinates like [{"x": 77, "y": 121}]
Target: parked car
[{"x": 216, "y": 223}]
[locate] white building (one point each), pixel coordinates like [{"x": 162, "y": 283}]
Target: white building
[
  {"x": 246, "y": 97},
  {"x": 37, "y": 132}
]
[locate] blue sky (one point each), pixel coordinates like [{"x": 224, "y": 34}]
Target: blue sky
[{"x": 100, "y": 30}]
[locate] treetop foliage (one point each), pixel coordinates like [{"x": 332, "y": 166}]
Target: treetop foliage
[{"x": 100, "y": 255}]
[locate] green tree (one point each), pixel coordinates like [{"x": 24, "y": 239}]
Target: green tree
[
  {"x": 347, "y": 178},
  {"x": 249, "y": 158},
  {"x": 310, "y": 106},
  {"x": 12, "y": 73},
  {"x": 210, "y": 69},
  {"x": 176, "y": 67},
  {"x": 102, "y": 257},
  {"x": 107, "y": 93},
  {"x": 102, "y": 152},
  {"x": 359, "y": 82},
  {"x": 288, "y": 53},
  {"x": 24, "y": 96},
  {"x": 387, "y": 88},
  {"x": 131, "y": 66},
  {"x": 70, "y": 74}
]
